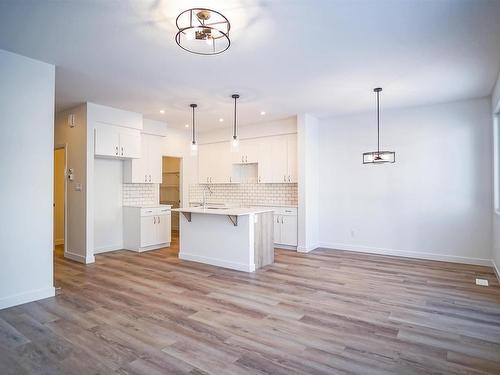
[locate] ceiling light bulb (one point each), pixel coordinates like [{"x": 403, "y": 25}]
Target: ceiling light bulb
[
  {"x": 221, "y": 120},
  {"x": 194, "y": 146},
  {"x": 262, "y": 113},
  {"x": 208, "y": 40},
  {"x": 186, "y": 126},
  {"x": 162, "y": 111}
]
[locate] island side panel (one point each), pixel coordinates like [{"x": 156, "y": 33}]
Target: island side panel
[
  {"x": 213, "y": 239},
  {"x": 263, "y": 239}
]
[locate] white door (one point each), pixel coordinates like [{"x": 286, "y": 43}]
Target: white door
[
  {"x": 164, "y": 228},
  {"x": 292, "y": 157},
  {"x": 148, "y": 231},
  {"x": 277, "y": 229},
  {"x": 289, "y": 230},
  {"x": 130, "y": 145},
  {"x": 106, "y": 141}
]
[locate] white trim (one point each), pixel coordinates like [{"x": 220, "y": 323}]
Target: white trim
[
  {"x": 408, "y": 254},
  {"x": 307, "y": 249},
  {"x": 33, "y": 295},
  {"x": 496, "y": 269},
  {"x": 79, "y": 258},
  {"x": 59, "y": 241},
  {"x": 105, "y": 249},
  {"x": 218, "y": 262},
  {"x": 285, "y": 247}
]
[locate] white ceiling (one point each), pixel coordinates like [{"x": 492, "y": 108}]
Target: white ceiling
[{"x": 286, "y": 57}]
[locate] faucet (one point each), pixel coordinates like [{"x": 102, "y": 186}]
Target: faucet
[{"x": 205, "y": 189}]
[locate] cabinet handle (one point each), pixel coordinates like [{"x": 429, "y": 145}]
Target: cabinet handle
[
  {"x": 246, "y": 158},
  {"x": 145, "y": 178},
  {"x": 289, "y": 179},
  {"x": 282, "y": 220},
  {"x": 277, "y": 219},
  {"x": 158, "y": 220},
  {"x": 122, "y": 150},
  {"x": 149, "y": 178},
  {"x": 284, "y": 178},
  {"x": 259, "y": 179},
  {"x": 242, "y": 158},
  {"x": 154, "y": 219},
  {"x": 230, "y": 179},
  {"x": 116, "y": 153}
]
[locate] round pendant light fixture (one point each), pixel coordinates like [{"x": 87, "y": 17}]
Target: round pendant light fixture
[
  {"x": 202, "y": 31},
  {"x": 235, "y": 141},
  {"x": 378, "y": 157},
  {"x": 194, "y": 145}
]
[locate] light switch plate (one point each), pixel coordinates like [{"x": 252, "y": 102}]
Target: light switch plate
[{"x": 482, "y": 282}]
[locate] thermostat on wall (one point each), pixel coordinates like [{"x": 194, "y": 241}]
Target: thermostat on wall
[{"x": 71, "y": 120}]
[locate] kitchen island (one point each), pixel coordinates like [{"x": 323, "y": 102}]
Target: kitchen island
[{"x": 236, "y": 238}]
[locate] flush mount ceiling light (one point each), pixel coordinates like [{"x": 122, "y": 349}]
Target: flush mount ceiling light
[
  {"x": 378, "y": 157},
  {"x": 202, "y": 31},
  {"x": 235, "y": 142},
  {"x": 194, "y": 145}
]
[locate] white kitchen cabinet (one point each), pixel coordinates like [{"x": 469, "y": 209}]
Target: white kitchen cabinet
[
  {"x": 146, "y": 228},
  {"x": 147, "y": 169},
  {"x": 273, "y": 160},
  {"x": 248, "y": 152},
  {"x": 285, "y": 226},
  {"x": 214, "y": 163},
  {"x": 117, "y": 142}
]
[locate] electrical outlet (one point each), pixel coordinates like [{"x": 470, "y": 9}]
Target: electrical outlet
[{"x": 482, "y": 282}]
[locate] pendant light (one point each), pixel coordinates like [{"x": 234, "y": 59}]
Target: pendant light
[
  {"x": 378, "y": 157},
  {"x": 194, "y": 145},
  {"x": 235, "y": 141}
]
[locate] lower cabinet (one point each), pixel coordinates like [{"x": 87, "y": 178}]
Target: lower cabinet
[
  {"x": 146, "y": 228},
  {"x": 285, "y": 226}
]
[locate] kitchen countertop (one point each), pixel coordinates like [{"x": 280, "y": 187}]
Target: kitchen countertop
[{"x": 229, "y": 211}]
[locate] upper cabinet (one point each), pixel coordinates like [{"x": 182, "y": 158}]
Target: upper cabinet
[
  {"x": 272, "y": 159},
  {"x": 214, "y": 163},
  {"x": 147, "y": 169},
  {"x": 117, "y": 142}
]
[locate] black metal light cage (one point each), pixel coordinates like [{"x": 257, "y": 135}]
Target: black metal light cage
[
  {"x": 196, "y": 23},
  {"x": 378, "y": 157}
]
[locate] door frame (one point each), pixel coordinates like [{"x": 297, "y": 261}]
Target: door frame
[{"x": 63, "y": 146}]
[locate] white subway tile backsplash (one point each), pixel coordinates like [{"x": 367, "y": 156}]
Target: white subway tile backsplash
[
  {"x": 247, "y": 194},
  {"x": 141, "y": 194}
]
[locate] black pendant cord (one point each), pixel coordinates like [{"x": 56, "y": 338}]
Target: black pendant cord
[
  {"x": 193, "y": 106},
  {"x": 235, "y": 135},
  {"x": 378, "y": 122}
]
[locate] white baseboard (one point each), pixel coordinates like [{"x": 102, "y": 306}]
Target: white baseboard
[
  {"x": 218, "y": 262},
  {"x": 105, "y": 249},
  {"x": 32, "y": 295},
  {"x": 285, "y": 247},
  {"x": 59, "y": 241},
  {"x": 79, "y": 258},
  {"x": 496, "y": 269},
  {"x": 407, "y": 254},
  {"x": 308, "y": 248}
]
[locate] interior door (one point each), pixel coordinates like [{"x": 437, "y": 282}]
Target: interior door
[
  {"x": 164, "y": 227},
  {"x": 148, "y": 231}
]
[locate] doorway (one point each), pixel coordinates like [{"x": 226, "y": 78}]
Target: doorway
[
  {"x": 59, "y": 203},
  {"x": 170, "y": 188}
]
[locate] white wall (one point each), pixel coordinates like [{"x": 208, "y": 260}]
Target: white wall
[
  {"x": 108, "y": 202},
  {"x": 434, "y": 202},
  {"x": 26, "y": 191},
  {"x": 309, "y": 181},
  {"x": 495, "y": 106},
  {"x": 76, "y": 153}
]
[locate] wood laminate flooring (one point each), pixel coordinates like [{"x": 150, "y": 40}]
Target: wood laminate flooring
[{"x": 325, "y": 312}]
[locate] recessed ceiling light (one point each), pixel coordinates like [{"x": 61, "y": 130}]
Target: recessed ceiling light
[
  {"x": 162, "y": 111},
  {"x": 262, "y": 113},
  {"x": 186, "y": 126},
  {"x": 221, "y": 120}
]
